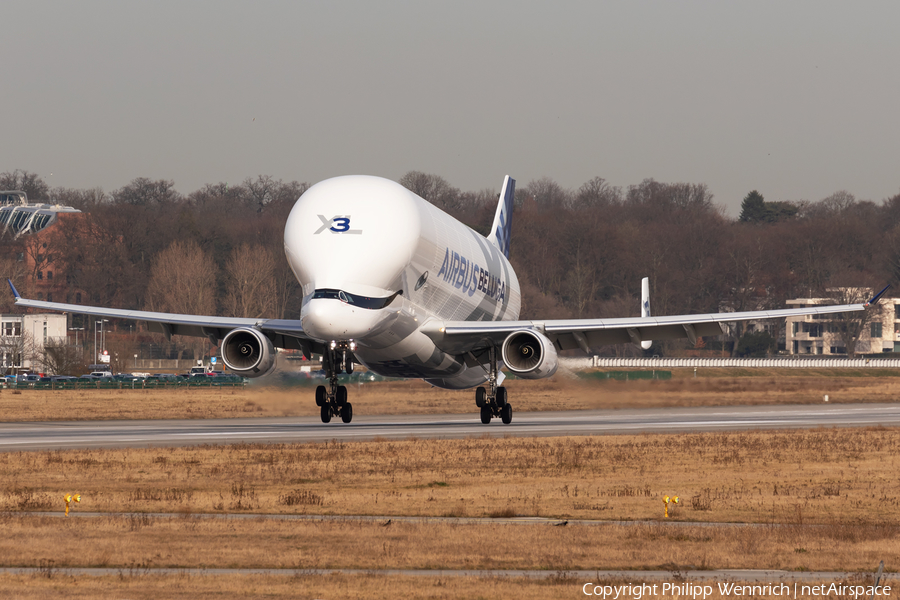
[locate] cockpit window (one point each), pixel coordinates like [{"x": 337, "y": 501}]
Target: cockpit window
[{"x": 355, "y": 299}]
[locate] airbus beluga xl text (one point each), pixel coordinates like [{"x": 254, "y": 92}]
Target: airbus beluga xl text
[{"x": 395, "y": 284}]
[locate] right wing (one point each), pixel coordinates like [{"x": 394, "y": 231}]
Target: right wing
[{"x": 285, "y": 333}]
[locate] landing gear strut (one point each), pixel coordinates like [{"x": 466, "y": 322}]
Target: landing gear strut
[
  {"x": 332, "y": 400},
  {"x": 493, "y": 401}
]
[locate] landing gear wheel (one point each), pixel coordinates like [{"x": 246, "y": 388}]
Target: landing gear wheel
[
  {"x": 326, "y": 414},
  {"x": 486, "y": 414},
  {"x": 321, "y": 396},
  {"x": 480, "y": 397},
  {"x": 348, "y": 365},
  {"x": 347, "y": 412},
  {"x": 340, "y": 396},
  {"x": 506, "y": 413},
  {"x": 501, "y": 397}
]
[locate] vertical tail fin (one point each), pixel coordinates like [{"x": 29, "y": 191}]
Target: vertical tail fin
[
  {"x": 645, "y": 307},
  {"x": 500, "y": 230}
]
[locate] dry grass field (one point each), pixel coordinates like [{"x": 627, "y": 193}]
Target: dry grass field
[
  {"x": 711, "y": 387},
  {"x": 196, "y": 542},
  {"x": 808, "y": 476},
  {"x": 834, "y": 493},
  {"x": 133, "y": 583}
]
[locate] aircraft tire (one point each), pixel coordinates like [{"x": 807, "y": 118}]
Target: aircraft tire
[
  {"x": 326, "y": 414},
  {"x": 480, "y": 397},
  {"x": 348, "y": 366},
  {"x": 501, "y": 397},
  {"x": 506, "y": 413},
  {"x": 340, "y": 395},
  {"x": 347, "y": 413},
  {"x": 486, "y": 414},
  {"x": 321, "y": 396}
]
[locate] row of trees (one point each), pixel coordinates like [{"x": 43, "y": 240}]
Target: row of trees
[{"x": 577, "y": 253}]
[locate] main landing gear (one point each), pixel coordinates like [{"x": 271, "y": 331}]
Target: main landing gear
[
  {"x": 493, "y": 401},
  {"x": 333, "y": 399}
]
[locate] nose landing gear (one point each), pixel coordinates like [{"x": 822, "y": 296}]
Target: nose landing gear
[
  {"x": 493, "y": 401},
  {"x": 332, "y": 400}
]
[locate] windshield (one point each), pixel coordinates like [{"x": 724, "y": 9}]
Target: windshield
[{"x": 354, "y": 299}]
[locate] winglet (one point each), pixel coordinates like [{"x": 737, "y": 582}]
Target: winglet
[
  {"x": 13, "y": 288},
  {"x": 502, "y": 225},
  {"x": 872, "y": 301}
]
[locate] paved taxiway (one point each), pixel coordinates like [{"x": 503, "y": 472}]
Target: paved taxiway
[{"x": 110, "y": 434}]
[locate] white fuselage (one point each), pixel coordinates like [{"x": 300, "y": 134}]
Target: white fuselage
[{"x": 354, "y": 242}]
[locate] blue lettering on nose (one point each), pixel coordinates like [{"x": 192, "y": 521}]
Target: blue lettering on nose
[{"x": 341, "y": 224}]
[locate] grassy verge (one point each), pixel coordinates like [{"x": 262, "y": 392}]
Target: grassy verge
[
  {"x": 133, "y": 583},
  {"x": 196, "y": 542},
  {"x": 809, "y": 476}
]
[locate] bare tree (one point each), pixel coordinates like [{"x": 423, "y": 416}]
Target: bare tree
[
  {"x": 182, "y": 280},
  {"x": 84, "y": 200},
  {"x": 250, "y": 283},
  {"x": 849, "y": 327},
  {"x": 15, "y": 269},
  {"x": 61, "y": 358},
  {"x": 547, "y": 193},
  {"x": 435, "y": 189},
  {"x": 12, "y": 350},
  {"x": 597, "y": 192},
  {"x": 146, "y": 192},
  {"x": 30, "y": 183}
]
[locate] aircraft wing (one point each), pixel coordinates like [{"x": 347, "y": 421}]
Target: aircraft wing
[
  {"x": 287, "y": 333},
  {"x": 458, "y": 337}
]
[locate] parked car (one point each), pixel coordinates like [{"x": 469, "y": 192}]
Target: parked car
[{"x": 227, "y": 379}]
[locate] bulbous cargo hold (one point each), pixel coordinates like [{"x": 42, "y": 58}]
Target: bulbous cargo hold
[
  {"x": 248, "y": 352},
  {"x": 530, "y": 355}
]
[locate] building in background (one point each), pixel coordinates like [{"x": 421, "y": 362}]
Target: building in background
[
  {"x": 38, "y": 244},
  {"x": 874, "y": 331},
  {"x": 24, "y": 340}
]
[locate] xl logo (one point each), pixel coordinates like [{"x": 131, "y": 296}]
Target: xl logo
[{"x": 336, "y": 224}]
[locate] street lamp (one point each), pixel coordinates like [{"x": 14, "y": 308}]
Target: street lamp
[
  {"x": 76, "y": 330},
  {"x": 99, "y": 322},
  {"x": 103, "y": 334}
]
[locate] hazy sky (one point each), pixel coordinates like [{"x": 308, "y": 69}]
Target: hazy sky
[{"x": 794, "y": 99}]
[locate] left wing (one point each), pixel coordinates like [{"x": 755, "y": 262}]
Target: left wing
[
  {"x": 458, "y": 337},
  {"x": 285, "y": 333}
]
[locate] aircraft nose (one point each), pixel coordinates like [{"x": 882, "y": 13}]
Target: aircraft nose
[{"x": 329, "y": 319}]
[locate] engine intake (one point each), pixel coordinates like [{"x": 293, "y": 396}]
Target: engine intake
[
  {"x": 529, "y": 354},
  {"x": 248, "y": 352}
]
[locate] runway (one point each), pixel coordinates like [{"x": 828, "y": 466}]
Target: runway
[{"x": 117, "y": 434}]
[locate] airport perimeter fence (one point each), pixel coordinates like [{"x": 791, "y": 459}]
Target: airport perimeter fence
[
  {"x": 655, "y": 374},
  {"x": 744, "y": 363},
  {"x": 119, "y": 385}
]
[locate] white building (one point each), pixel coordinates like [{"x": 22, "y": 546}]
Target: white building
[
  {"x": 818, "y": 334},
  {"x": 24, "y": 337}
]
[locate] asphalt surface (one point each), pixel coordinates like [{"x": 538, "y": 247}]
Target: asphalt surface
[{"x": 116, "y": 434}]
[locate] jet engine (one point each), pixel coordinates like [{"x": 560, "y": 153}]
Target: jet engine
[
  {"x": 529, "y": 355},
  {"x": 248, "y": 352}
]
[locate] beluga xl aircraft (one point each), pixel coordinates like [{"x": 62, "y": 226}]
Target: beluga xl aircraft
[{"x": 391, "y": 282}]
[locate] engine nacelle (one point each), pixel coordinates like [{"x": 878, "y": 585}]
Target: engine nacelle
[
  {"x": 248, "y": 352},
  {"x": 529, "y": 355}
]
